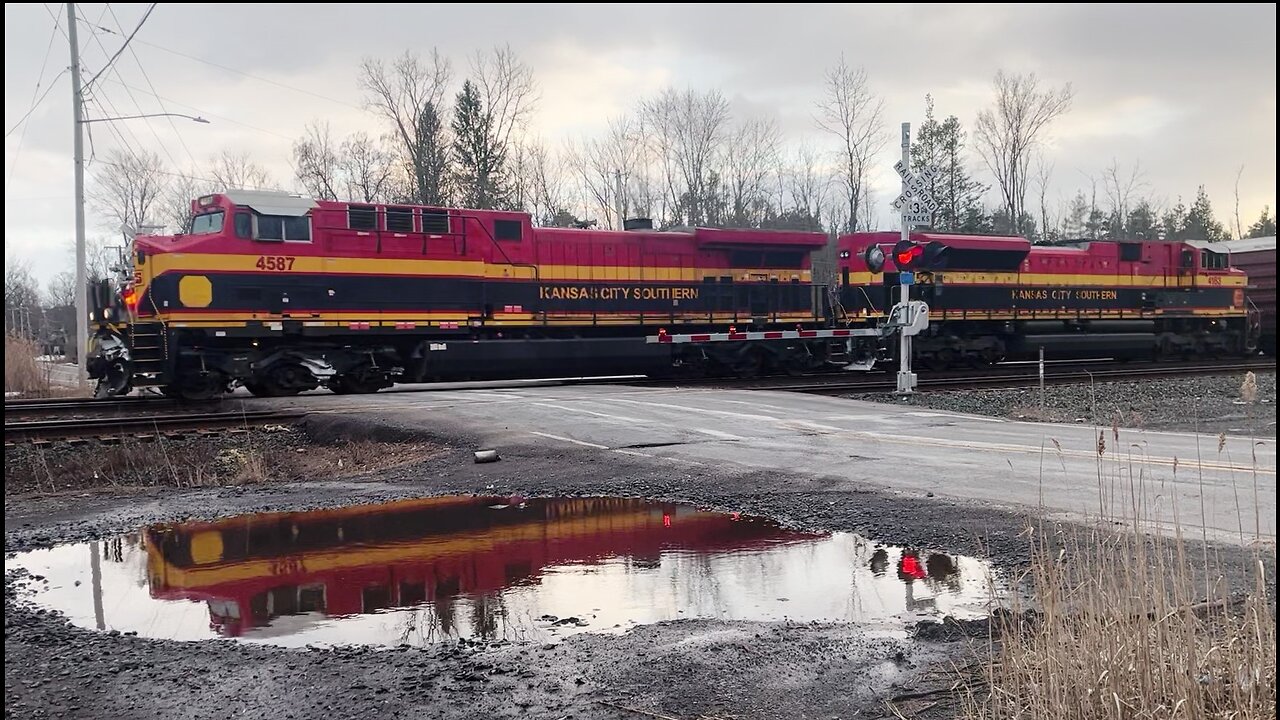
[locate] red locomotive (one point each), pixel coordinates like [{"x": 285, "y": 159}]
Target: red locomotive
[
  {"x": 1001, "y": 297},
  {"x": 282, "y": 294}
]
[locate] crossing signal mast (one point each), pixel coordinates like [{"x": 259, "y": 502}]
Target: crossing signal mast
[{"x": 916, "y": 207}]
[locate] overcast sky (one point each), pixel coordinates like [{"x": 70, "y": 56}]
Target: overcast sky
[{"x": 1189, "y": 91}]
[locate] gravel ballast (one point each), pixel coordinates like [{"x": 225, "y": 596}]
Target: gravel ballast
[{"x": 1209, "y": 404}]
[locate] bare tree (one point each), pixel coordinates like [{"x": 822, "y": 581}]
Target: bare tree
[
  {"x": 1044, "y": 170},
  {"x": 315, "y": 162},
  {"x": 1009, "y": 132},
  {"x": 808, "y": 188},
  {"x": 365, "y": 169},
  {"x": 752, "y": 154},
  {"x": 1121, "y": 188},
  {"x": 855, "y": 116},
  {"x": 1239, "y": 228},
  {"x": 236, "y": 171},
  {"x": 126, "y": 192},
  {"x": 61, "y": 290},
  {"x": 508, "y": 91},
  {"x": 21, "y": 298},
  {"x": 595, "y": 162},
  {"x": 176, "y": 201},
  {"x": 689, "y": 130},
  {"x": 541, "y": 179},
  {"x": 409, "y": 95}
]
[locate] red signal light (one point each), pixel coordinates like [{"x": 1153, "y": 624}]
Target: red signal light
[{"x": 906, "y": 254}]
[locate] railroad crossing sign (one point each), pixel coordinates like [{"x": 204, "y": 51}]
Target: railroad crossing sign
[{"x": 915, "y": 203}]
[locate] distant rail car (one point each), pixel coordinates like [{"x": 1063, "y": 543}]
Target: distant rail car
[
  {"x": 281, "y": 294},
  {"x": 1257, "y": 258}
]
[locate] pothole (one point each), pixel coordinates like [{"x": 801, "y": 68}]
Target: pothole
[{"x": 488, "y": 568}]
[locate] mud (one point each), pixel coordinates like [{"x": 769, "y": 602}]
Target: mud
[{"x": 682, "y": 669}]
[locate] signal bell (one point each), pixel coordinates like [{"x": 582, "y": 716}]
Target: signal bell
[{"x": 873, "y": 256}]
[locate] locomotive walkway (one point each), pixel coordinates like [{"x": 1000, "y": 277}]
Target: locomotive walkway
[{"x": 1228, "y": 492}]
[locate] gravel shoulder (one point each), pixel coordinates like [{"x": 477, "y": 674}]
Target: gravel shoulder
[{"x": 1209, "y": 404}]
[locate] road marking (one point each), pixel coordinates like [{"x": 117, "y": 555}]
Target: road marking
[
  {"x": 619, "y": 418},
  {"x": 569, "y": 440},
  {"x": 718, "y": 434},
  {"x": 621, "y": 451}
]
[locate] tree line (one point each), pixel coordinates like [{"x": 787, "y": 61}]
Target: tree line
[{"x": 681, "y": 157}]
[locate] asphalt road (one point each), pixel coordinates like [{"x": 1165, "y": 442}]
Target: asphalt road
[{"x": 1226, "y": 492}]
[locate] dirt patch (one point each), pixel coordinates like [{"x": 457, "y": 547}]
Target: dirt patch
[{"x": 277, "y": 453}]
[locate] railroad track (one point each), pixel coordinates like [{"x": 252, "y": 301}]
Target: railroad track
[
  {"x": 140, "y": 426},
  {"x": 145, "y": 406}
]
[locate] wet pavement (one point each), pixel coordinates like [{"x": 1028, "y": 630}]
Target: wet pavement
[{"x": 416, "y": 572}]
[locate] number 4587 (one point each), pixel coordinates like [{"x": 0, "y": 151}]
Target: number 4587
[{"x": 278, "y": 263}]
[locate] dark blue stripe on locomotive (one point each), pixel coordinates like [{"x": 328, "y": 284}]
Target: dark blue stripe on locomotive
[
  {"x": 277, "y": 293},
  {"x": 942, "y": 297}
]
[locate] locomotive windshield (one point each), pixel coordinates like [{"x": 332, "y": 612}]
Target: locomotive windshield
[{"x": 207, "y": 223}]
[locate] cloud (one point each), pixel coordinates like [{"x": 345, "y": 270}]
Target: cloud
[{"x": 1188, "y": 90}]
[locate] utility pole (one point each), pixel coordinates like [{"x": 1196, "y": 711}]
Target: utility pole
[
  {"x": 82, "y": 281},
  {"x": 619, "y": 201}
]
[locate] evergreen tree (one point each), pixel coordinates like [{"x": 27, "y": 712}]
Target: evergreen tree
[
  {"x": 433, "y": 170},
  {"x": 1142, "y": 223},
  {"x": 1266, "y": 225},
  {"x": 1174, "y": 222},
  {"x": 941, "y": 145},
  {"x": 1076, "y": 225},
  {"x": 1095, "y": 226},
  {"x": 1001, "y": 225},
  {"x": 1200, "y": 223},
  {"x": 480, "y": 172}
]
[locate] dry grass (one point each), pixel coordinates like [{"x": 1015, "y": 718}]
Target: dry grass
[
  {"x": 1122, "y": 629},
  {"x": 261, "y": 456},
  {"x": 22, "y": 373},
  {"x": 1133, "y": 625}
]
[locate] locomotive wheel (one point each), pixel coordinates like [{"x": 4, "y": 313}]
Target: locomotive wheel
[{"x": 283, "y": 380}]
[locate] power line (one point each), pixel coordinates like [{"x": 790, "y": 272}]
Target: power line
[
  {"x": 173, "y": 125},
  {"x": 252, "y": 76},
  {"x": 36, "y": 104},
  {"x": 201, "y": 112},
  {"x": 127, "y": 40},
  {"x": 115, "y": 70},
  {"x": 35, "y": 101}
]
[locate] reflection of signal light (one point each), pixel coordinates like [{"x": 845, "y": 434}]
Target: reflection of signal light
[{"x": 666, "y": 520}]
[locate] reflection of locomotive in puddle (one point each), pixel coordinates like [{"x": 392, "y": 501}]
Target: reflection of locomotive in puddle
[
  {"x": 936, "y": 571},
  {"x": 429, "y": 552}
]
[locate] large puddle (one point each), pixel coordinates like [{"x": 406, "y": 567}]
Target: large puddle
[{"x": 422, "y": 571}]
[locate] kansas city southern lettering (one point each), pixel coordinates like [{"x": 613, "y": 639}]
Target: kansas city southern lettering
[
  {"x": 1063, "y": 294},
  {"x": 615, "y": 292}
]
